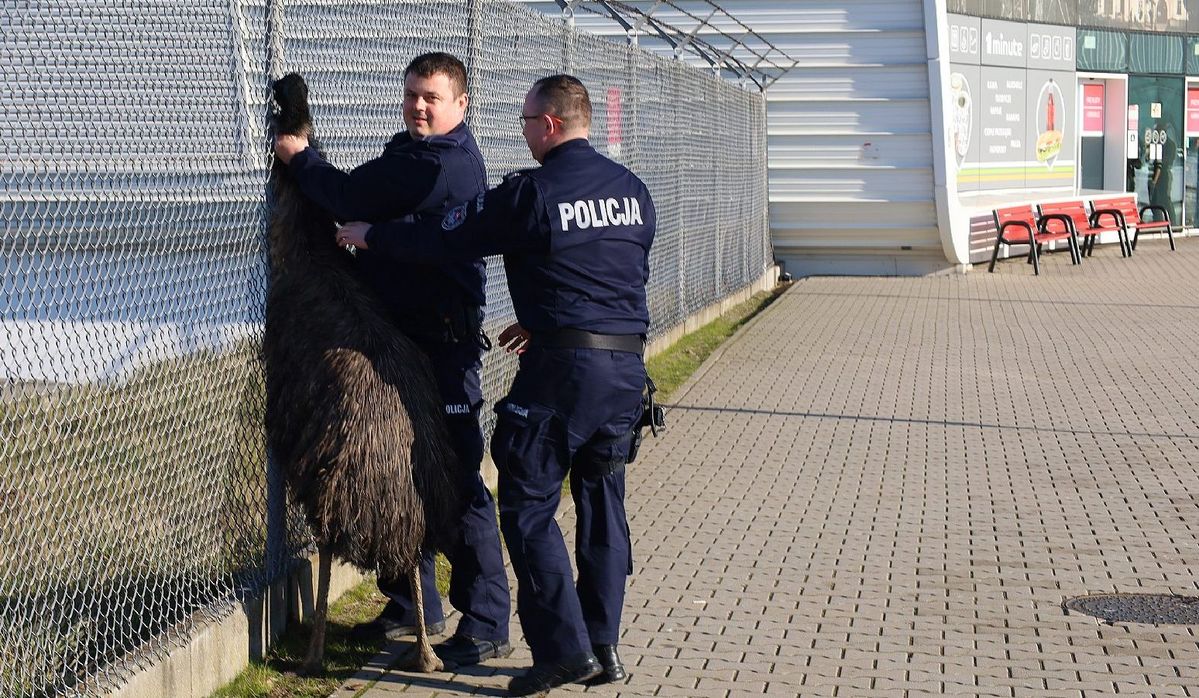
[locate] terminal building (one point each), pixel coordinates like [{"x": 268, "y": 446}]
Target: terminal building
[{"x": 905, "y": 122}]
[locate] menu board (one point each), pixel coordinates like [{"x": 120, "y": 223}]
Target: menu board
[{"x": 1004, "y": 133}]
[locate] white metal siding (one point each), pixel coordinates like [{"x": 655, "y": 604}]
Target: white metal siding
[{"x": 850, "y": 151}]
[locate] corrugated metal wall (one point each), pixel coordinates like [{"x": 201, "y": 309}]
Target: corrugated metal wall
[{"x": 850, "y": 150}]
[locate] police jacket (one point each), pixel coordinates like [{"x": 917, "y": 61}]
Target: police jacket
[
  {"x": 575, "y": 234},
  {"x": 413, "y": 180}
]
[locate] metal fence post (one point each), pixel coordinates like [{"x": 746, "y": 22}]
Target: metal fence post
[
  {"x": 474, "y": 49},
  {"x": 568, "y": 17},
  {"x": 276, "y": 495}
]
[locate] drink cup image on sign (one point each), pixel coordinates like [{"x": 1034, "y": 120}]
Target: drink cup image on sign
[
  {"x": 1049, "y": 122},
  {"x": 963, "y": 107}
]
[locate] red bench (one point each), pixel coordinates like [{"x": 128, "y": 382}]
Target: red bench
[
  {"x": 1018, "y": 226},
  {"x": 1071, "y": 216},
  {"x": 1124, "y": 211}
]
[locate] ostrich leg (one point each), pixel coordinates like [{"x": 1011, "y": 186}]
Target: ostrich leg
[
  {"x": 314, "y": 662},
  {"x": 421, "y": 657}
]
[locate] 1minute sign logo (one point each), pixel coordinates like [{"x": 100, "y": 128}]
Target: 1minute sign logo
[{"x": 999, "y": 45}]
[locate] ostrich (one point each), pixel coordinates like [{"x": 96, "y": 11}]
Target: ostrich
[{"x": 353, "y": 415}]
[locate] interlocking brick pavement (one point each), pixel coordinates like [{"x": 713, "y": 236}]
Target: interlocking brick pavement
[{"x": 886, "y": 487}]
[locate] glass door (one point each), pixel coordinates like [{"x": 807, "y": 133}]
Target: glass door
[{"x": 1156, "y": 175}]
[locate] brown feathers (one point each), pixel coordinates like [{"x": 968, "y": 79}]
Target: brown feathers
[{"x": 354, "y": 417}]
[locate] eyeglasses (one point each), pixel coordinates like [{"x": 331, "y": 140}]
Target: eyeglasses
[{"x": 526, "y": 117}]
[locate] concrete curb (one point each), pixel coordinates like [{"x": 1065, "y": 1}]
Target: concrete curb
[{"x": 218, "y": 651}]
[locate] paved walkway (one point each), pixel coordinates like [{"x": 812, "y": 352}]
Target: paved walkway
[{"x": 887, "y": 487}]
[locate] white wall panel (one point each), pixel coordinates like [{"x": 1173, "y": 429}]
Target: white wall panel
[
  {"x": 853, "y": 150},
  {"x": 891, "y": 81},
  {"x": 850, "y": 151},
  {"x": 830, "y": 117},
  {"x": 851, "y": 184}
]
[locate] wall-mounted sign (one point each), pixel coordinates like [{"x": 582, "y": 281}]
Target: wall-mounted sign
[
  {"x": 1051, "y": 48},
  {"x": 1005, "y": 43},
  {"x": 1155, "y": 110},
  {"x": 615, "y": 136},
  {"x": 1132, "y": 149},
  {"x": 965, "y": 39},
  {"x": 1192, "y": 112},
  {"x": 1092, "y": 109}
]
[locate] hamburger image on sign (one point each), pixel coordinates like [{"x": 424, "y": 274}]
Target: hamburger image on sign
[{"x": 1049, "y": 121}]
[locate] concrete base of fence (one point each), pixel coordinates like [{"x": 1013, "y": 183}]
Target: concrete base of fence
[{"x": 218, "y": 651}]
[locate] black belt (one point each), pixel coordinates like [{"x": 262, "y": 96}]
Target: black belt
[{"x": 568, "y": 338}]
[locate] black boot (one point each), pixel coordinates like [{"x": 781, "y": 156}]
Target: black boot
[
  {"x": 543, "y": 677},
  {"x": 610, "y": 661}
]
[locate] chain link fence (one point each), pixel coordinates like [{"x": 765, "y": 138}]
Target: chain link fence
[{"x": 135, "y": 501}]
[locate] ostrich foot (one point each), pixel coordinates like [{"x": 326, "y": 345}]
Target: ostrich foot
[
  {"x": 308, "y": 670},
  {"x": 420, "y": 658}
]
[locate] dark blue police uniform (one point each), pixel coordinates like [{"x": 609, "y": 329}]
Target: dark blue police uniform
[
  {"x": 439, "y": 306},
  {"x": 575, "y": 235}
]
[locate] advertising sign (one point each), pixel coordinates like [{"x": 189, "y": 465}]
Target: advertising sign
[
  {"x": 1012, "y": 102},
  {"x": 1192, "y": 111},
  {"x": 964, "y": 129},
  {"x": 1092, "y": 108},
  {"x": 1051, "y": 142}
]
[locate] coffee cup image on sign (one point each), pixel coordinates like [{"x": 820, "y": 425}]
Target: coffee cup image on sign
[
  {"x": 962, "y": 109},
  {"x": 1050, "y": 121}
]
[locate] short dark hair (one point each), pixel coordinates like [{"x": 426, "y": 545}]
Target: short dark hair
[
  {"x": 427, "y": 65},
  {"x": 565, "y": 97}
]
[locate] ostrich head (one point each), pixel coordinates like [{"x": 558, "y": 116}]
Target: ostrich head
[
  {"x": 299, "y": 228},
  {"x": 291, "y": 96}
]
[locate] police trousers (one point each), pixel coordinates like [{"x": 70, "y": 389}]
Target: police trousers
[
  {"x": 478, "y": 581},
  {"x": 570, "y": 412}
]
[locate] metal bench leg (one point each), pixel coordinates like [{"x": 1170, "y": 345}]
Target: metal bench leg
[
  {"x": 995, "y": 254},
  {"x": 1170, "y": 234},
  {"x": 1033, "y": 254}
]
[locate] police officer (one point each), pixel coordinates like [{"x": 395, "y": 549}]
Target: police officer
[
  {"x": 422, "y": 172},
  {"x": 575, "y": 235}
]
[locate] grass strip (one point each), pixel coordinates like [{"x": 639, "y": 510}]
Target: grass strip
[
  {"x": 671, "y": 368},
  {"x": 274, "y": 677}
]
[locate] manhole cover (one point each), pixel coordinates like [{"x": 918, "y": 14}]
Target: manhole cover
[{"x": 1159, "y": 609}]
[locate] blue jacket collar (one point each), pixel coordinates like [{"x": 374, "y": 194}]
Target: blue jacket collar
[
  {"x": 458, "y": 137},
  {"x": 567, "y": 147}
]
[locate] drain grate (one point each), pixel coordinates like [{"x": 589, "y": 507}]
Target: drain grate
[{"x": 1158, "y": 609}]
